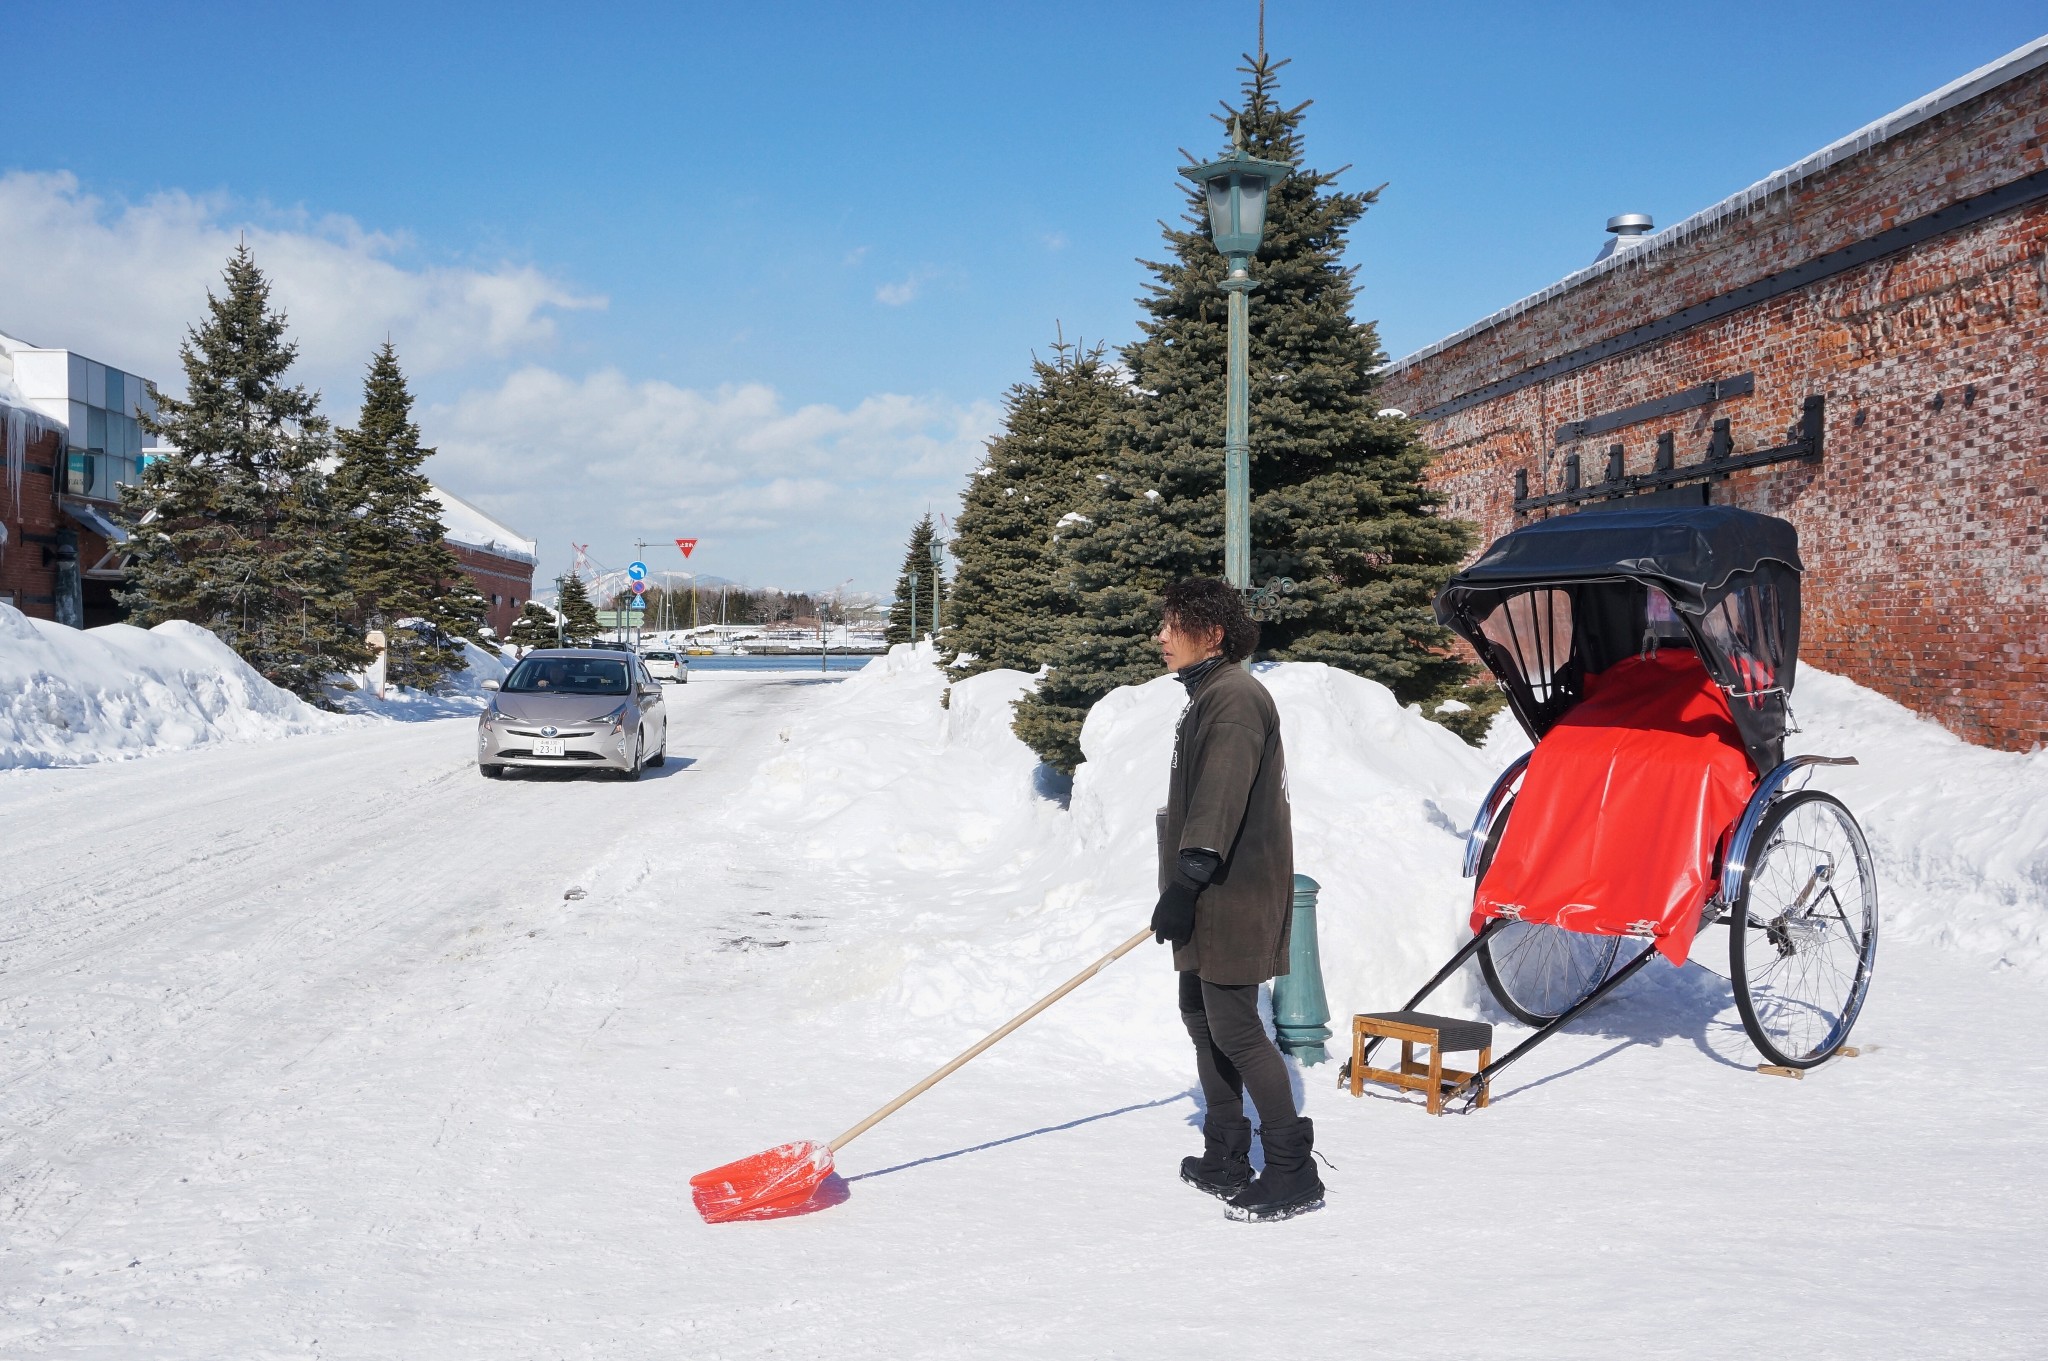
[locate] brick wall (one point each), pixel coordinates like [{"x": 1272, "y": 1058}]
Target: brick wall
[
  {"x": 31, "y": 529},
  {"x": 1923, "y": 528},
  {"x": 503, "y": 581}
]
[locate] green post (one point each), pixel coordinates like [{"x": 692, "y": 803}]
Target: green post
[
  {"x": 1301, "y": 1013},
  {"x": 1237, "y": 450}
]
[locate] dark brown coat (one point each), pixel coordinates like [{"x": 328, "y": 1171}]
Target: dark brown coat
[{"x": 1228, "y": 793}]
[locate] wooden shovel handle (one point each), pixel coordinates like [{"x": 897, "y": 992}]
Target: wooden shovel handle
[{"x": 1040, "y": 1005}]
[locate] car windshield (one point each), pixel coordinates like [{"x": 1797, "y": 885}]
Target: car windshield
[
  {"x": 659, "y": 656},
  {"x": 567, "y": 676}
]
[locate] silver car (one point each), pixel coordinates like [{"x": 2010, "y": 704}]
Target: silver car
[
  {"x": 666, "y": 665},
  {"x": 567, "y": 708}
]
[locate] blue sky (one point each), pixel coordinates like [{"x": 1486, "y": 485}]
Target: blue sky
[{"x": 760, "y": 274}]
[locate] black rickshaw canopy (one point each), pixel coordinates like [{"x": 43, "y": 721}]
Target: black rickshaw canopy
[{"x": 1564, "y": 598}]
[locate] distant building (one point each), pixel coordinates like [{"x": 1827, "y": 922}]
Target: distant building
[
  {"x": 72, "y": 439},
  {"x": 500, "y": 561},
  {"x": 1858, "y": 343}
]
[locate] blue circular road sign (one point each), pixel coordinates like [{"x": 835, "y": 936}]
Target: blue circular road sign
[{"x": 637, "y": 570}]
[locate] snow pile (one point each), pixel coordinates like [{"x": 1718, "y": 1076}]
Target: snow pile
[
  {"x": 977, "y": 892},
  {"x": 70, "y": 698},
  {"x": 1959, "y": 833},
  {"x": 463, "y": 694}
]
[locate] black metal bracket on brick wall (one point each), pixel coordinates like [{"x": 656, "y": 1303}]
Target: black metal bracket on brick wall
[
  {"x": 1699, "y": 394},
  {"x": 1719, "y": 461}
]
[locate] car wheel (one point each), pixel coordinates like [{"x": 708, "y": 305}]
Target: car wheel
[
  {"x": 491, "y": 772},
  {"x": 660, "y": 758}
]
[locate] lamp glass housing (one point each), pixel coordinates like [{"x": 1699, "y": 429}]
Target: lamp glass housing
[{"x": 1236, "y": 188}]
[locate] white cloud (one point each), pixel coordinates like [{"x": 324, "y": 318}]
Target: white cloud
[
  {"x": 782, "y": 494},
  {"x": 779, "y": 494},
  {"x": 122, "y": 282},
  {"x": 1054, "y": 240},
  {"x": 905, "y": 289}
]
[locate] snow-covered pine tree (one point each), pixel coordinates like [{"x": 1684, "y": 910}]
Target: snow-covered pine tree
[
  {"x": 400, "y": 567},
  {"x": 535, "y": 626},
  {"x": 1338, "y": 501},
  {"x": 237, "y": 531},
  {"x": 579, "y": 616},
  {"x": 1007, "y": 606},
  {"x": 917, "y": 558}
]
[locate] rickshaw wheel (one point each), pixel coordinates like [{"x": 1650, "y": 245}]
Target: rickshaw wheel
[
  {"x": 1803, "y": 940},
  {"x": 1536, "y": 971},
  {"x": 1539, "y": 971}
]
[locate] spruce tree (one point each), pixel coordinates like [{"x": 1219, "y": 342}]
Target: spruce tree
[
  {"x": 237, "y": 531},
  {"x": 579, "y": 616},
  {"x": 916, "y": 558},
  {"x": 535, "y": 626},
  {"x": 1338, "y": 502},
  {"x": 1007, "y": 606},
  {"x": 405, "y": 578}
]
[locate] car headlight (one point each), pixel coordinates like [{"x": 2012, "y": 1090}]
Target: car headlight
[{"x": 616, "y": 718}]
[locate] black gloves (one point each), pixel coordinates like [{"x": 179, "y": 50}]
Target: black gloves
[{"x": 1174, "y": 918}]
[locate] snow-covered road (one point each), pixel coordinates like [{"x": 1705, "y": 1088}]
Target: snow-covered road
[
  {"x": 288, "y": 1026},
  {"x": 307, "y": 1054}
]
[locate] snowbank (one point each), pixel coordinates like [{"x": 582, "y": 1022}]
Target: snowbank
[
  {"x": 1959, "y": 833},
  {"x": 71, "y": 698},
  {"x": 463, "y": 695},
  {"x": 932, "y": 822},
  {"x": 976, "y": 891}
]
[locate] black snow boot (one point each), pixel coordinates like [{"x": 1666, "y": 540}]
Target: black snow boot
[
  {"x": 1289, "y": 1186},
  {"x": 1225, "y": 1167}
]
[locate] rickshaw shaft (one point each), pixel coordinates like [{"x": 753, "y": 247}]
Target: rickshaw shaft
[{"x": 1613, "y": 981}]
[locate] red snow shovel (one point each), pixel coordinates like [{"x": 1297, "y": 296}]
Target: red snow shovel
[{"x": 784, "y": 1177}]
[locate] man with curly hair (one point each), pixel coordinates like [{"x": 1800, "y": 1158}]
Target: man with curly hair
[{"x": 1226, "y": 875}]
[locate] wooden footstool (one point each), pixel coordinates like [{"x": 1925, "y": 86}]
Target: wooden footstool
[{"x": 1439, "y": 1034}]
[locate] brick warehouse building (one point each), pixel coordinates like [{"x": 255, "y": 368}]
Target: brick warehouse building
[
  {"x": 498, "y": 560},
  {"x": 1856, "y": 343}
]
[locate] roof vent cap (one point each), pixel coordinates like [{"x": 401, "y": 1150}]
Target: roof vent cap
[{"x": 1628, "y": 231}]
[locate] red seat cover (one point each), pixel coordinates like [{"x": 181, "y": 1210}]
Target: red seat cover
[{"x": 1624, "y": 802}]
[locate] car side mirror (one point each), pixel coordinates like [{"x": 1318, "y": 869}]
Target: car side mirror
[{"x": 490, "y": 685}]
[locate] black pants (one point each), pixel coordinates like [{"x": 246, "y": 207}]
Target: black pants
[{"x": 1233, "y": 1051}]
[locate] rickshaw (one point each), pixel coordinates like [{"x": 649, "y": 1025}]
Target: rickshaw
[{"x": 1650, "y": 655}]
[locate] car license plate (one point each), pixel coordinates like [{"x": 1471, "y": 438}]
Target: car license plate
[{"x": 547, "y": 746}]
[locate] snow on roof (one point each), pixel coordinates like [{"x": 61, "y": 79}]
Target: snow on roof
[
  {"x": 472, "y": 528},
  {"x": 2009, "y": 67}
]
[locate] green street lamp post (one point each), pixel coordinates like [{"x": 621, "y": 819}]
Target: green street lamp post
[
  {"x": 1237, "y": 188},
  {"x": 938, "y": 577},
  {"x": 913, "y": 609}
]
